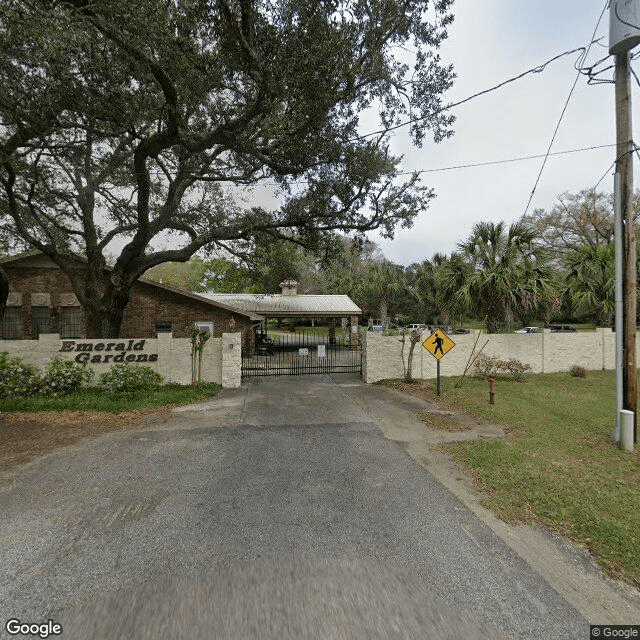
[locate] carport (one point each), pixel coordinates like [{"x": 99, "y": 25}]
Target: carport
[{"x": 302, "y": 352}]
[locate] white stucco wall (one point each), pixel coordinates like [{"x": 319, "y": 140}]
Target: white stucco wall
[
  {"x": 170, "y": 357},
  {"x": 546, "y": 352}
]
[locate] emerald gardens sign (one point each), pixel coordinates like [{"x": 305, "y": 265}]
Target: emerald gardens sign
[{"x": 108, "y": 352}]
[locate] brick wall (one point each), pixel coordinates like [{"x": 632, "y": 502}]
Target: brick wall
[{"x": 148, "y": 305}]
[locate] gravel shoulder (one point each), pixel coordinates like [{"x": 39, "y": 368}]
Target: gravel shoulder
[{"x": 25, "y": 437}]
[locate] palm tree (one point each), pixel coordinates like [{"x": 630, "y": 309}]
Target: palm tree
[
  {"x": 431, "y": 288},
  {"x": 384, "y": 281},
  {"x": 503, "y": 269},
  {"x": 591, "y": 281}
]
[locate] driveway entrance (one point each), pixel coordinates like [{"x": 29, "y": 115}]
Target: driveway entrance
[{"x": 286, "y": 509}]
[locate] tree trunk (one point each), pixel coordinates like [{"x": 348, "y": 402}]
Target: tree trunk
[
  {"x": 603, "y": 318},
  {"x": 416, "y": 334},
  {"x": 495, "y": 313},
  {"x": 4, "y": 292},
  {"x": 104, "y": 319},
  {"x": 332, "y": 330},
  {"x": 526, "y": 320},
  {"x": 383, "y": 310},
  {"x": 551, "y": 309},
  {"x": 104, "y": 324},
  {"x": 508, "y": 319}
]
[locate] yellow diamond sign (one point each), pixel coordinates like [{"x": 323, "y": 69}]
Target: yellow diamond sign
[{"x": 438, "y": 344}]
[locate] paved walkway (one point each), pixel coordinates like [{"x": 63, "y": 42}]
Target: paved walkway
[{"x": 291, "y": 508}]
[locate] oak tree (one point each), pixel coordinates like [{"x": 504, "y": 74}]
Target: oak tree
[{"x": 123, "y": 125}]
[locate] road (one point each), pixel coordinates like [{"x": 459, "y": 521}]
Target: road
[{"x": 290, "y": 508}]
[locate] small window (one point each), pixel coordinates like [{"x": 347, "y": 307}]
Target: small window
[
  {"x": 205, "y": 326},
  {"x": 40, "y": 321},
  {"x": 163, "y": 327},
  {"x": 70, "y": 322},
  {"x": 12, "y": 323}
]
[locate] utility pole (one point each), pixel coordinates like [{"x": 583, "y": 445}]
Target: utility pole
[
  {"x": 624, "y": 34},
  {"x": 624, "y": 167}
]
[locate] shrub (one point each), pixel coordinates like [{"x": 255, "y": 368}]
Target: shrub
[
  {"x": 578, "y": 372},
  {"x": 62, "y": 377},
  {"x": 490, "y": 366},
  {"x": 487, "y": 366},
  {"x": 132, "y": 378},
  {"x": 516, "y": 368},
  {"x": 17, "y": 378}
]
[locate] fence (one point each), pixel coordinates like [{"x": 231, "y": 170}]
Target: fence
[
  {"x": 169, "y": 356},
  {"x": 302, "y": 353},
  {"x": 546, "y": 352}
]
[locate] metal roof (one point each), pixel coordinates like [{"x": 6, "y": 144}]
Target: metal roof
[{"x": 278, "y": 305}]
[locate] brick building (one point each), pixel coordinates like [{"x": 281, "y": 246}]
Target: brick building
[{"x": 41, "y": 300}]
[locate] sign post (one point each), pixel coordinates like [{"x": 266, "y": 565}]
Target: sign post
[{"x": 438, "y": 344}]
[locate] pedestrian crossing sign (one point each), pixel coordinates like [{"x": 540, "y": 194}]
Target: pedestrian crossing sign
[{"x": 438, "y": 344}]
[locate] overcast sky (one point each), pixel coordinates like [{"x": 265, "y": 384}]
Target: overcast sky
[{"x": 489, "y": 42}]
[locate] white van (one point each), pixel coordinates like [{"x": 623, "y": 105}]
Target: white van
[{"x": 529, "y": 330}]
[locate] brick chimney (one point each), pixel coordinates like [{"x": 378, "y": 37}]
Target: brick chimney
[{"x": 289, "y": 288}]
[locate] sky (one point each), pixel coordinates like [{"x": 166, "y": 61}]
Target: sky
[{"x": 491, "y": 41}]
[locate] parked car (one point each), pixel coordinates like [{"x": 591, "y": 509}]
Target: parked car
[
  {"x": 562, "y": 328},
  {"x": 529, "y": 330}
]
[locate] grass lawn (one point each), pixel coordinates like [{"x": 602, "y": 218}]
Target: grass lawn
[
  {"x": 94, "y": 399},
  {"x": 556, "y": 464},
  {"x": 318, "y": 331}
]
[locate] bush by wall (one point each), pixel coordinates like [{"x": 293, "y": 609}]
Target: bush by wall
[
  {"x": 17, "y": 378},
  {"x": 62, "y": 377},
  {"x": 578, "y": 372},
  {"x": 489, "y": 365},
  {"x": 132, "y": 378}
]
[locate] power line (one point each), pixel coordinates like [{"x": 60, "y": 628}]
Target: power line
[
  {"x": 564, "y": 109},
  {"x": 539, "y": 69},
  {"x": 606, "y": 173},
  {"x": 613, "y": 164},
  {"x": 477, "y": 164},
  {"x": 491, "y": 162}
]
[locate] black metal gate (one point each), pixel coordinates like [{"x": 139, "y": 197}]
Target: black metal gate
[{"x": 300, "y": 353}]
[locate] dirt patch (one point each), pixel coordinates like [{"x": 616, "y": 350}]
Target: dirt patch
[
  {"x": 442, "y": 418},
  {"x": 27, "y": 436},
  {"x": 443, "y": 421}
]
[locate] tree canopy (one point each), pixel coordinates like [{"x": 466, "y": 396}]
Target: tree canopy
[
  {"x": 125, "y": 122},
  {"x": 576, "y": 220},
  {"x": 499, "y": 269}
]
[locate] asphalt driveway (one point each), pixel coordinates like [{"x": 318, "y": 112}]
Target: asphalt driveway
[{"x": 285, "y": 509}]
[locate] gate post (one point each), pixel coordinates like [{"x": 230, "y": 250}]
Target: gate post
[
  {"x": 231, "y": 360},
  {"x": 332, "y": 330},
  {"x": 354, "y": 336}
]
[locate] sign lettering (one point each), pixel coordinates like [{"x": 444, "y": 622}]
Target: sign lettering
[{"x": 119, "y": 350}]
